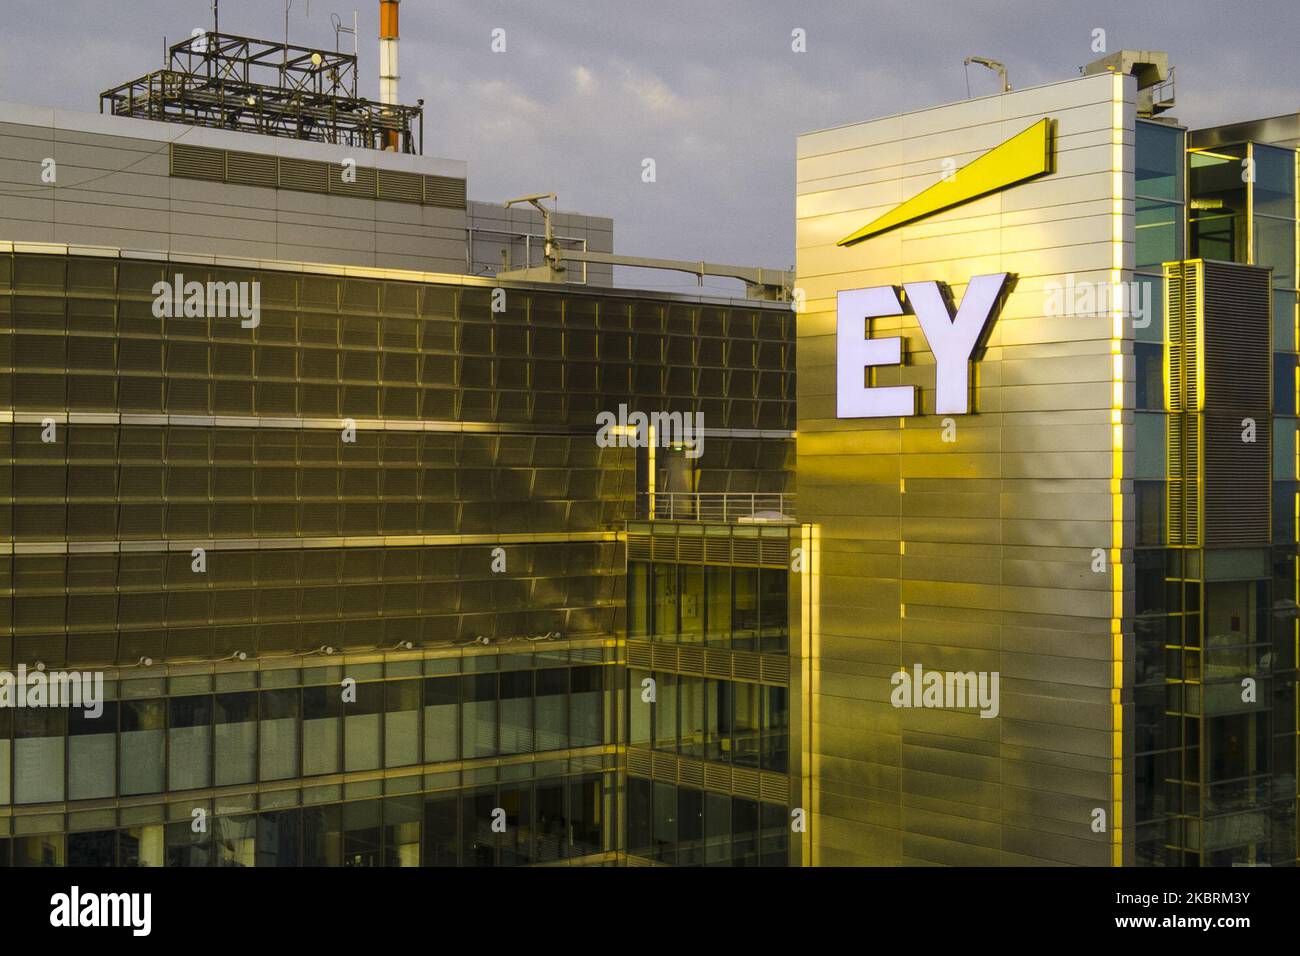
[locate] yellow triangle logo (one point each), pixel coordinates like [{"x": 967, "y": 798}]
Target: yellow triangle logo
[{"x": 1024, "y": 156}]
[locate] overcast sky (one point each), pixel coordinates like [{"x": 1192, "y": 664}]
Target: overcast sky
[{"x": 710, "y": 89}]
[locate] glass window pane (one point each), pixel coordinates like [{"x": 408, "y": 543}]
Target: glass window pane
[
  {"x": 278, "y": 734},
  {"x": 744, "y": 623},
  {"x": 402, "y": 723},
  {"x": 1159, "y": 232},
  {"x": 586, "y": 726},
  {"x": 692, "y": 604},
  {"x": 516, "y": 712},
  {"x": 665, "y": 601},
  {"x": 39, "y": 744},
  {"x": 277, "y": 838},
  {"x": 718, "y": 583},
  {"x": 189, "y": 742},
  {"x": 585, "y": 816},
  {"x": 773, "y": 612},
  {"x": 1159, "y": 161},
  {"x": 441, "y": 837},
  {"x": 322, "y": 721},
  {"x": 638, "y": 605},
  {"x": 441, "y": 702},
  {"x": 236, "y": 741},
  {"x": 1274, "y": 181},
  {"x": 552, "y": 708},
  {"x": 142, "y": 746},
  {"x": 1275, "y": 248},
  {"x": 92, "y": 754},
  {"x": 361, "y": 731},
  {"x": 665, "y": 711},
  {"x": 478, "y": 716},
  {"x": 552, "y": 823}
]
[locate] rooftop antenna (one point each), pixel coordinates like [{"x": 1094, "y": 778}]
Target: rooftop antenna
[
  {"x": 995, "y": 65},
  {"x": 216, "y": 21},
  {"x": 339, "y": 28},
  {"x": 548, "y": 232}
]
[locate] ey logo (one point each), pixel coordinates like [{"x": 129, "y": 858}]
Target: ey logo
[{"x": 953, "y": 338}]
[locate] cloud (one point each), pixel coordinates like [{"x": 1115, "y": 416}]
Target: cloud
[{"x": 712, "y": 91}]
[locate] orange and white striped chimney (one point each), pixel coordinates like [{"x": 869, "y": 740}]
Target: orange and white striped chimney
[{"x": 388, "y": 35}]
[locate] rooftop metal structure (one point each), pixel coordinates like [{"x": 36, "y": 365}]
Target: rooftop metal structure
[{"x": 263, "y": 86}]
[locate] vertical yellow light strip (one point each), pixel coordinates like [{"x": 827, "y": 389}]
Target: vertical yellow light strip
[
  {"x": 810, "y": 645},
  {"x": 650, "y": 470},
  {"x": 1117, "y": 469}
]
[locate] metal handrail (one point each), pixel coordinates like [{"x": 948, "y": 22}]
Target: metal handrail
[{"x": 721, "y": 507}]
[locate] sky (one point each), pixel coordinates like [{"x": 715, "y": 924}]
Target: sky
[{"x": 711, "y": 90}]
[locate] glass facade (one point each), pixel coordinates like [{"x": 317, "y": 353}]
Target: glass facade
[
  {"x": 353, "y": 576},
  {"x": 1215, "y": 683}
]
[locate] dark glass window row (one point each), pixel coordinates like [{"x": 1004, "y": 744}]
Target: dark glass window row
[
  {"x": 734, "y": 722},
  {"x": 683, "y": 826},
  {"x": 731, "y": 400},
  {"x": 100, "y": 483},
  {"x": 546, "y": 820},
  {"x": 739, "y": 608},
  {"x": 179, "y": 743},
  {"x": 73, "y": 607},
  {"x": 288, "y": 291}
]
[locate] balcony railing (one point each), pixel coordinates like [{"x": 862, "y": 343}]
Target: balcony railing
[{"x": 719, "y": 507}]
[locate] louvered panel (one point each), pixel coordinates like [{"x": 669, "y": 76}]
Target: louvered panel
[
  {"x": 690, "y": 660},
  {"x": 664, "y": 656},
  {"x": 638, "y": 655},
  {"x": 744, "y": 550},
  {"x": 744, "y": 783},
  {"x": 639, "y": 762},
  {"x": 665, "y": 767},
  {"x": 445, "y": 191},
  {"x": 400, "y": 187},
  {"x": 1238, "y": 483},
  {"x": 639, "y": 861},
  {"x": 691, "y": 773},
  {"x": 690, "y": 549},
  {"x": 745, "y": 666},
  {"x": 775, "y": 788},
  {"x": 774, "y": 551},
  {"x": 663, "y": 547},
  {"x": 1236, "y": 306},
  {"x": 638, "y": 547},
  {"x": 1191, "y": 484},
  {"x": 776, "y": 670},
  {"x": 717, "y": 778},
  {"x": 251, "y": 169},
  {"x": 1173, "y": 336},
  {"x": 1234, "y": 314},
  {"x": 306, "y": 175},
  {"x": 717, "y": 550},
  {"x": 365, "y": 186},
  {"x": 717, "y": 663},
  {"x": 198, "y": 162}
]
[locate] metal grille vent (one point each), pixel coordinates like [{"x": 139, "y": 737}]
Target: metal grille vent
[
  {"x": 198, "y": 162},
  {"x": 251, "y": 169},
  {"x": 305, "y": 175},
  {"x": 444, "y": 191},
  {"x": 400, "y": 187}
]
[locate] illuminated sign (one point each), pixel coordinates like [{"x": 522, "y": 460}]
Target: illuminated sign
[
  {"x": 1024, "y": 156},
  {"x": 952, "y": 338}
]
